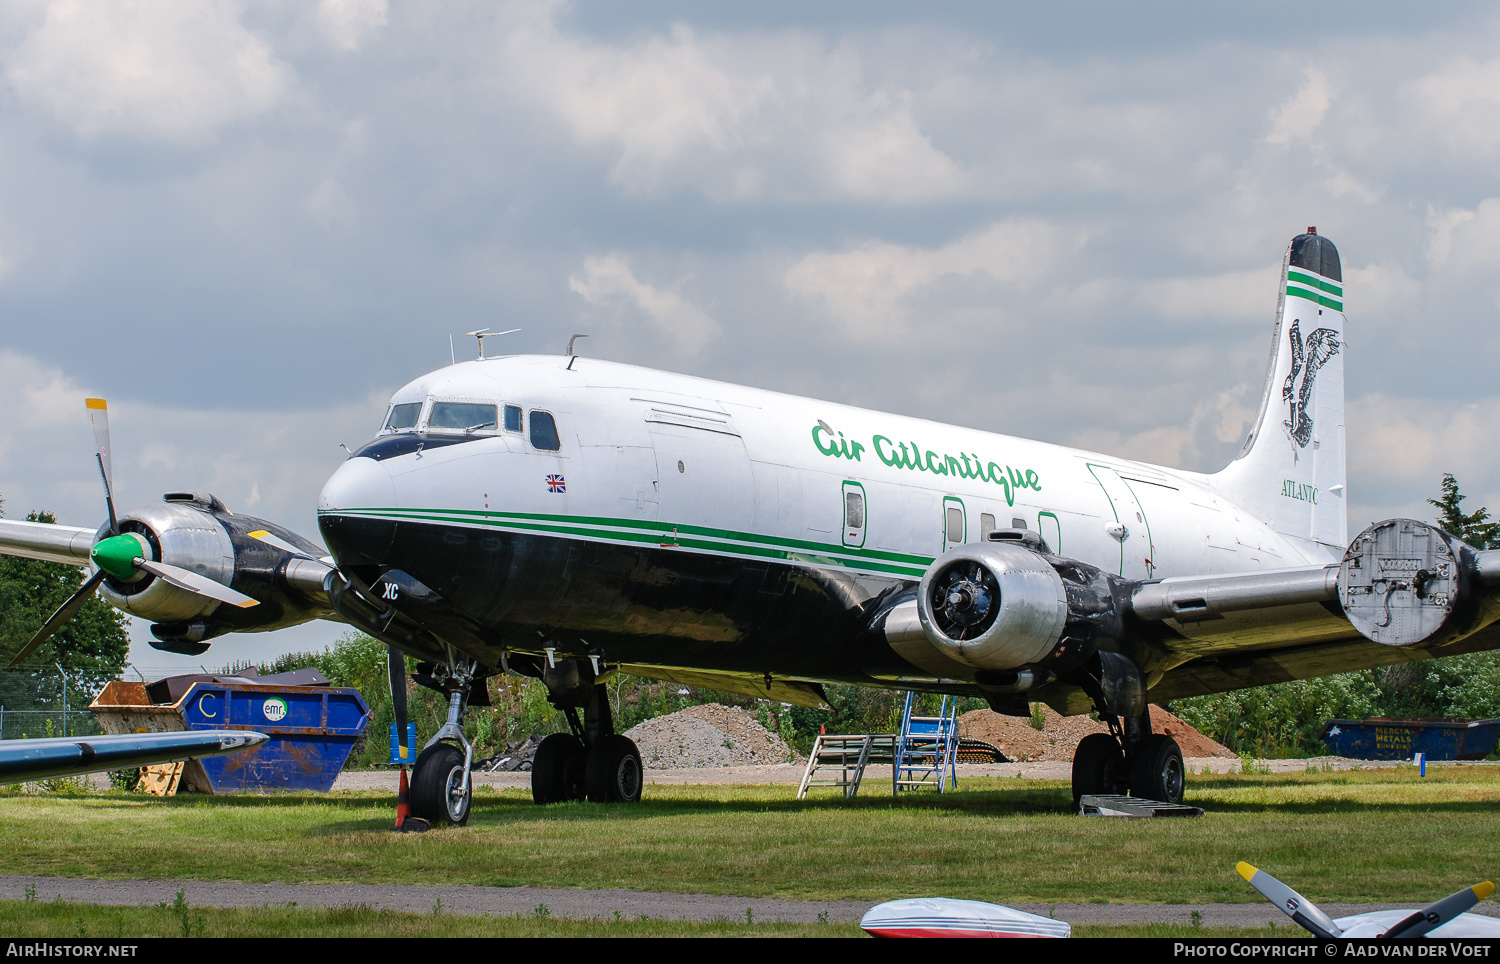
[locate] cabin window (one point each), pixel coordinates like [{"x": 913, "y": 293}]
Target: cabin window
[
  {"x": 403, "y": 417},
  {"x": 544, "y": 432},
  {"x": 986, "y": 525},
  {"x": 955, "y": 524},
  {"x": 513, "y": 418},
  {"x": 461, "y": 417},
  {"x": 854, "y": 514}
]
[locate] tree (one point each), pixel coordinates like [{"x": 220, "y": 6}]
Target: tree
[
  {"x": 91, "y": 647},
  {"x": 1476, "y": 528}
]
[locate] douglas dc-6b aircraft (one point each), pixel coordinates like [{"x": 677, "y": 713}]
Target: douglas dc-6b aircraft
[{"x": 565, "y": 518}]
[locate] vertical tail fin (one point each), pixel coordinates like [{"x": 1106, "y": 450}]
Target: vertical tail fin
[{"x": 1290, "y": 473}]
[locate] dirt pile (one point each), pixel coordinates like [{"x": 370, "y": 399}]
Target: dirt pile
[
  {"x": 712, "y": 735},
  {"x": 1060, "y": 736}
]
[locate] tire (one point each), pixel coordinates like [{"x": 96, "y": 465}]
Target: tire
[
  {"x": 557, "y": 769},
  {"x": 1158, "y": 773},
  {"x": 1098, "y": 766},
  {"x": 437, "y": 786},
  {"x": 614, "y": 771}
]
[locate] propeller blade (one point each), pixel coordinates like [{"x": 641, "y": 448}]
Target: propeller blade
[
  {"x": 192, "y": 582},
  {"x": 64, "y": 613},
  {"x": 1293, "y": 904},
  {"x": 1440, "y": 912},
  {"x": 99, "y": 419},
  {"x": 396, "y": 668},
  {"x": 280, "y": 543}
]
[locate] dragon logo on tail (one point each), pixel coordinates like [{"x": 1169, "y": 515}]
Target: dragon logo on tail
[{"x": 1307, "y": 359}]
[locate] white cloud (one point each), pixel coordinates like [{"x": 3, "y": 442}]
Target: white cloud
[
  {"x": 732, "y": 116},
  {"x": 608, "y": 282},
  {"x": 1379, "y": 288},
  {"x": 1462, "y": 239},
  {"x": 1396, "y": 442},
  {"x": 867, "y": 290},
  {"x": 1233, "y": 295},
  {"x": 348, "y": 23},
  {"x": 1298, "y": 118},
  {"x": 172, "y": 71},
  {"x": 1458, "y": 106}
]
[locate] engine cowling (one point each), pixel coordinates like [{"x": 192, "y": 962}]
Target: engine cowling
[
  {"x": 1403, "y": 581},
  {"x": 196, "y": 532},
  {"x": 1009, "y": 611}
]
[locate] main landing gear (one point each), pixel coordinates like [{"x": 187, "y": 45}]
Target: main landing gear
[
  {"x": 1130, "y": 758},
  {"x": 592, "y": 761}
]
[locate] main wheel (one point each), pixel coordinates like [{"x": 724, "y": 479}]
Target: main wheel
[
  {"x": 437, "y": 786},
  {"x": 557, "y": 769},
  {"x": 1098, "y": 766},
  {"x": 1158, "y": 771},
  {"x": 614, "y": 771}
]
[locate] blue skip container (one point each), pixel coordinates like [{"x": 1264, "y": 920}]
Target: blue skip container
[
  {"x": 313, "y": 728},
  {"x": 1387, "y": 739}
]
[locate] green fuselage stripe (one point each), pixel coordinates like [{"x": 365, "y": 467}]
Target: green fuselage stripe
[{"x": 665, "y": 535}]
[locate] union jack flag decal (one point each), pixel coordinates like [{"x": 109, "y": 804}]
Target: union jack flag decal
[{"x": 555, "y": 483}]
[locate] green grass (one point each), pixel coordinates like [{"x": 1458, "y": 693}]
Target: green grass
[
  {"x": 57, "y": 919},
  {"x": 1362, "y": 836}
]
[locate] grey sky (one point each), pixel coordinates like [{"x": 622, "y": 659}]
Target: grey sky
[{"x": 246, "y": 224}]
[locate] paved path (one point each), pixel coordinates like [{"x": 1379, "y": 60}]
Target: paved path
[{"x": 577, "y": 903}]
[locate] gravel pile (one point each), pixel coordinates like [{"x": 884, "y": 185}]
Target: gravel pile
[
  {"x": 1057, "y": 741},
  {"x": 707, "y": 736}
]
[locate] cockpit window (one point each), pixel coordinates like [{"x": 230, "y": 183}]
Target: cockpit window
[
  {"x": 512, "y": 418},
  {"x": 544, "y": 432},
  {"x": 403, "y": 417},
  {"x": 462, "y": 417}
]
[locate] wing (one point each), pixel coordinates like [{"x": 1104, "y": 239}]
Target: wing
[
  {"x": 746, "y": 684},
  {"x": 69, "y": 545},
  {"x": 1211, "y": 634},
  {"x": 25, "y": 760}
]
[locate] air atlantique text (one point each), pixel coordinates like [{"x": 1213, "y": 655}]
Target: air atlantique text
[{"x": 901, "y": 455}]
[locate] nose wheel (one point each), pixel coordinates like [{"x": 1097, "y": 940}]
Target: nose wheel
[{"x": 440, "y": 786}]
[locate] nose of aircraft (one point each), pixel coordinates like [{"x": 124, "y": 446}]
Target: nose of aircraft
[
  {"x": 360, "y": 483},
  {"x": 348, "y": 512}
]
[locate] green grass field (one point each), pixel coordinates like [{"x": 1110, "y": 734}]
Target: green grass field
[{"x": 1378, "y": 835}]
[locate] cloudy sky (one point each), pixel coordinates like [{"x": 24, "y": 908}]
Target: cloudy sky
[{"x": 245, "y": 224}]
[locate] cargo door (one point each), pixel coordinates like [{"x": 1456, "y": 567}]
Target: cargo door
[{"x": 1130, "y": 527}]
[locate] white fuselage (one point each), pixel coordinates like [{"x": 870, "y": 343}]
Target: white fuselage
[{"x": 709, "y": 467}]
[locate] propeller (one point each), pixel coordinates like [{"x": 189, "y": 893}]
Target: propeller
[
  {"x": 1440, "y": 912},
  {"x": 1319, "y": 924},
  {"x": 396, "y": 667},
  {"x": 122, "y": 554},
  {"x": 1293, "y": 904}
]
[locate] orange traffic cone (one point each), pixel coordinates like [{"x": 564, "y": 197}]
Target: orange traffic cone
[{"x": 405, "y": 822}]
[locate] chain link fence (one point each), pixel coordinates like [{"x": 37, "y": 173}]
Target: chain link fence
[{"x": 40, "y": 702}]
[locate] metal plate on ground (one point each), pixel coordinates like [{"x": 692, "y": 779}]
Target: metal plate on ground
[{"x": 1116, "y": 805}]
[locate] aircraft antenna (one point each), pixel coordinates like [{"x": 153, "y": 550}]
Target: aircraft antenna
[
  {"x": 570, "y": 344},
  {"x": 484, "y": 333}
]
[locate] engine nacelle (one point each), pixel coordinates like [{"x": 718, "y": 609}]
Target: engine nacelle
[
  {"x": 196, "y": 532},
  {"x": 1403, "y": 581},
  {"x": 1003, "y": 608}
]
